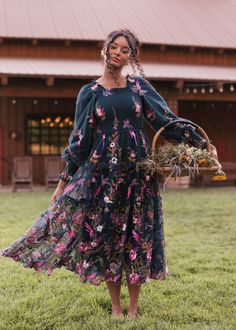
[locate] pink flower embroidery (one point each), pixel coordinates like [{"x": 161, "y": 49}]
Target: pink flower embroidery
[
  {"x": 78, "y": 219},
  {"x": 95, "y": 157},
  {"x": 149, "y": 255},
  {"x": 100, "y": 112},
  {"x": 91, "y": 120},
  {"x": 107, "y": 92},
  {"x": 94, "y": 87},
  {"x": 69, "y": 188},
  {"x": 83, "y": 247},
  {"x": 134, "y": 278},
  {"x": 59, "y": 248},
  {"x": 137, "y": 88},
  {"x": 132, "y": 156},
  {"x": 133, "y": 254},
  {"x": 137, "y": 108}
]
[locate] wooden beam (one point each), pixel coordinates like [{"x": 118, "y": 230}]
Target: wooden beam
[
  {"x": 224, "y": 97},
  {"x": 162, "y": 48},
  {"x": 67, "y": 43},
  {"x": 179, "y": 85},
  {"x": 221, "y": 51},
  {"x": 1, "y": 41},
  {"x": 34, "y": 42},
  {"x": 50, "y": 81},
  {"x": 36, "y": 91}
]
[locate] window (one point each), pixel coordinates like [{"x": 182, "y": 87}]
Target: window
[{"x": 48, "y": 135}]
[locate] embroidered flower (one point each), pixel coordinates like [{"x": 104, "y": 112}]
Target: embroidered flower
[
  {"x": 100, "y": 112},
  {"x": 149, "y": 255},
  {"x": 83, "y": 246},
  {"x": 94, "y": 244},
  {"x": 137, "y": 108},
  {"x": 134, "y": 278},
  {"x": 112, "y": 144},
  {"x": 132, "y": 254},
  {"x": 137, "y": 88},
  {"x": 91, "y": 120},
  {"x": 99, "y": 228},
  {"x": 59, "y": 248},
  {"x": 85, "y": 264},
  {"x": 95, "y": 157},
  {"x": 107, "y": 199},
  {"x": 124, "y": 227},
  {"x": 113, "y": 267},
  {"x": 114, "y": 160},
  {"x": 107, "y": 92},
  {"x": 94, "y": 87},
  {"x": 93, "y": 179},
  {"x": 132, "y": 156}
]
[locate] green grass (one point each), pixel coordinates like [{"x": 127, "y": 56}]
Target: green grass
[{"x": 200, "y": 232}]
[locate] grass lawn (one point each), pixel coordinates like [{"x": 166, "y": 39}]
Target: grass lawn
[{"x": 200, "y": 229}]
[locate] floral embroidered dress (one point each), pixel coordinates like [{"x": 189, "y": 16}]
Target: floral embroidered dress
[{"x": 109, "y": 219}]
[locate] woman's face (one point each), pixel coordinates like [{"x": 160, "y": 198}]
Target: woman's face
[{"x": 119, "y": 52}]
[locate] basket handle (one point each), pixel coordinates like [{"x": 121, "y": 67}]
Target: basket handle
[{"x": 158, "y": 133}]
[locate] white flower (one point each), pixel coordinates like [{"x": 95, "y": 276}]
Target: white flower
[
  {"x": 107, "y": 199},
  {"x": 112, "y": 144},
  {"x": 114, "y": 160},
  {"x": 85, "y": 264},
  {"x": 124, "y": 226},
  {"x": 99, "y": 228}
]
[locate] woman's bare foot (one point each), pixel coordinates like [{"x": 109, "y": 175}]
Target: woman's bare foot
[
  {"x": 117, "y": 312},
  {"x": 133, "y": 312}
]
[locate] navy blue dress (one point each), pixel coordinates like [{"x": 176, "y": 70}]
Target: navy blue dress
[{"x": 109, "y": 221}]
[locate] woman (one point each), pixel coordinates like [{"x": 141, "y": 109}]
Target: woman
[{"x": 105, "y": 218}]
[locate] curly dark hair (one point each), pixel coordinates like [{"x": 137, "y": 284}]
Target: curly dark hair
[{"x": 134, "y": 45}]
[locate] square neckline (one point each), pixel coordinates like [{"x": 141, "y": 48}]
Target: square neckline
[{"x": 113, "y": 88}]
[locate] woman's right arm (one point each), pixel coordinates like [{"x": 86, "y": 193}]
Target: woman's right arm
[
  {"x": 59, "y": 190},
  {"x": 81, "y": 139}
]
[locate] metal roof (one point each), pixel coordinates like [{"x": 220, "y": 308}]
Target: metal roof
[
  {"x": 203, "y": 23},
  {"x": 32, "y": 67}
]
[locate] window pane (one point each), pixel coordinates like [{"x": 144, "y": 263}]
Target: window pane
[{"x": 47, "y": 134}]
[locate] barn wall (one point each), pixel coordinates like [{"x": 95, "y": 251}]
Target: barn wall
[
  {"x": 13, "y": 118},
  {"x": 218, "y": 119}
]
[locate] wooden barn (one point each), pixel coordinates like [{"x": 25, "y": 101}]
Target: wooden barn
[{"x": 49, "y": 49}]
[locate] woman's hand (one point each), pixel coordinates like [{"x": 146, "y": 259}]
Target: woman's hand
[
  {"x": 59, "y": 191},
  {"x": 213, "y": 151}
]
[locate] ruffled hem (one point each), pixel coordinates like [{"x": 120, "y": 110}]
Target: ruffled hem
[{"x": 97, "y": 280}]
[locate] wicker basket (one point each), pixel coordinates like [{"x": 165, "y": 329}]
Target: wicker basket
[{"x": 168, "y": 171}]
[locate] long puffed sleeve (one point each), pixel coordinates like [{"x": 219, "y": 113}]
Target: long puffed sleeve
[
  {"x": 82, "y": 137},
  {"x": 157, "y": 114}
]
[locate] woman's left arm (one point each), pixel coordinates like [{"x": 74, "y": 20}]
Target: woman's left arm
[{"x": 157, "y": 114}]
